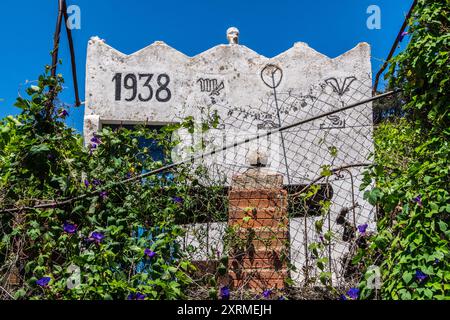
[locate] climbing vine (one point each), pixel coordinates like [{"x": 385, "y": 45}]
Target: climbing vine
[
  {"x": 69, "y": 228},
  {"x": 411, "y": 175}
]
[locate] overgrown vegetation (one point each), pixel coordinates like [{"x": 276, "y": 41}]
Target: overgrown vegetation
[
  {"x": 411, "y": 175},
  {"x": 72, "y": 229},
  {"x": 90, "y": 247}
]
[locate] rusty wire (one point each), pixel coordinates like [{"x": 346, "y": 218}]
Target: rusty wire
[{"x": 393, "y": 48}]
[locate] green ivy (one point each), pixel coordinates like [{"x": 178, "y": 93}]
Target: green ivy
[
  {"x": 411, "y": 175},
  {"x": 120, "y": 240}
]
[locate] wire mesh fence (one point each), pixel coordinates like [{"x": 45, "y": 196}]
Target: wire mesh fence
[
  {"x": 274, "y": 198},
  {"x": 302, "y": 217}
]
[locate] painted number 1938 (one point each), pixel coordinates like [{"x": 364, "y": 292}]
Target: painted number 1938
[{"x": 145, "y": 92}]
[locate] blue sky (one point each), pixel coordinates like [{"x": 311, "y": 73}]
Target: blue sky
[{"x": 268, "y": 27}]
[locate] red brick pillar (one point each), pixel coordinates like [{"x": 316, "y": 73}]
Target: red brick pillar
[{"x": 259, "y": 224}]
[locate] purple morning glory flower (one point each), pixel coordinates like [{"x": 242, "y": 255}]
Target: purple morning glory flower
[
  {"x": 177, "y": 199},
  {"x": 96, "y": 182},
  {"x": 97, "y": 237},
  {"x": 403, "y": 35},
  {"x": 418, "y": 199},
  {"x": 140, "y": 296},
  {"x": 95, "y": 140},
  {"x": 420, "y": 276},
  {"x": 103, "y": 194},
  {"x": 43, "y": 282},
  {"x": 343, "y": 297},
  {"x": 86, "y": 183},
  {"x": 353, "y": 293},
  {"x": 63, "y": 113},
  {"x": 266, "y": 293},
  {"x": 149, "y": 253},
  {"x": 137, "y": 296},
  {"x": 362, "y": 228},
  {"x": 70, "y": 227},
  {"x": 225, "y": 293}
]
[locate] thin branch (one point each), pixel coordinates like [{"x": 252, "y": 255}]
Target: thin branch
[
  {"x": 6, "y": 291},
  {"x": 333, "y": 171}
]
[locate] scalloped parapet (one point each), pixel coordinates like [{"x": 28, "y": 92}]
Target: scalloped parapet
[
  {"x": 250, "y": 92},
  {"x": 236, "y": 66}
]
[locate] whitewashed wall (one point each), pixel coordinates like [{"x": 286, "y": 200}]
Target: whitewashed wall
[{"x": 235, "y": 81}]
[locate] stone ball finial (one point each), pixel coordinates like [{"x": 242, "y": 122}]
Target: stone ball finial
[
  {"x": 257, "y": 158},
  {"x": 233, "y": 35}
]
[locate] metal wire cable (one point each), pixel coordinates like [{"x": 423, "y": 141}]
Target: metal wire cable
[{"x": 199, "y": 156}]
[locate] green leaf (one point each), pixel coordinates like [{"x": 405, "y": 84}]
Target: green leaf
[
  {"x": 407, "y": 277},
  {"x": 318, "y": 225},
  {"x": 325, "y": 277},
  {"x": 222, "y": 269},
  {"x": 42, "y": 148},
  {"x": 373, "y": 196},
  {"x": 428, "y": 293},
  {"x": 442, "y": 225},
  {"x": 404, "y": 294},
  {"x": 20, "y": 294},
  {"x": 326, "y": 171},
  {"x": 213, "y": 293},
  {"x": 333, "y": 151}
]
